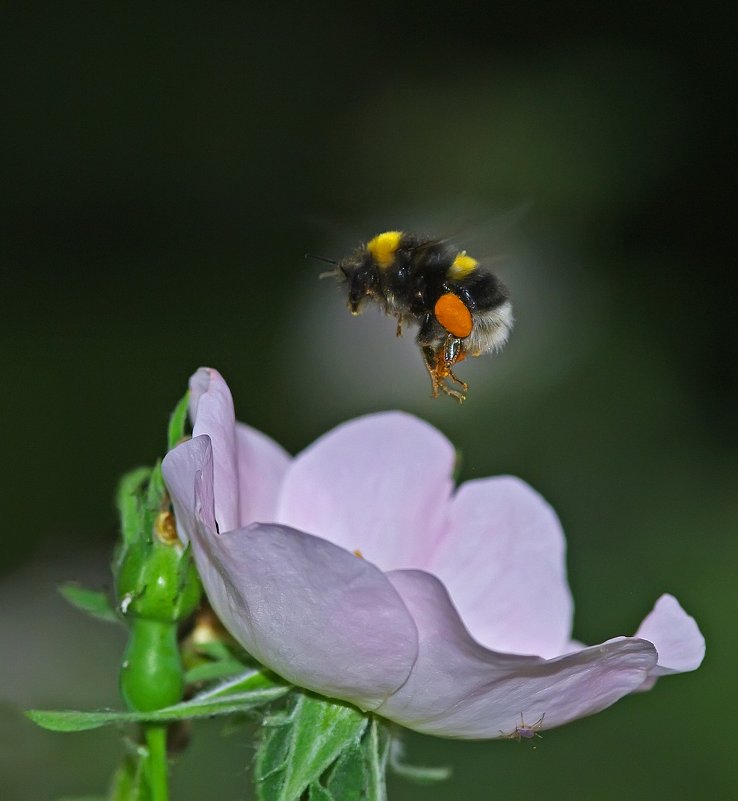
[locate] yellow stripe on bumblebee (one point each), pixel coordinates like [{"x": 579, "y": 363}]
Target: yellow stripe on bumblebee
[
  {"x": 462, "y": 265},
  {"x": 383, "y": 248}
]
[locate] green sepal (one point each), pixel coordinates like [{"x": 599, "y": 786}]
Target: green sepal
[
  {"x": 238, "y": 695},
  {"x": 208, "y": 671},
  {"x": 91, "y": 602},
  {"x": 155, "y": 493},
  {"x": 213, "y": 660},
  {"x": 377, "y": 748},
  {"x": 299, "y": 746},
  {"x": 158, "y": 582},
  {"x": 129, "y": 500},
  {"x": 359, "y": 773},
  {"x": 320, "y": 793},
  {"x": 177, "y": 422},
  {"x": 347, "y": 778},
  {"x": 130, "y": 781},
  {"x": 214, "y": 650}
]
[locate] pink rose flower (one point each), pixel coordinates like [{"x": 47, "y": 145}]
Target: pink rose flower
[{"x": 356, "y": 570}]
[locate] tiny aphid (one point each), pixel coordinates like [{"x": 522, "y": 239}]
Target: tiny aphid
[
  {"x": 523, "y": 731},
  {"x": 461, "y": 308}
]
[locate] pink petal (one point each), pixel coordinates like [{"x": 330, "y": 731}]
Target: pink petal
[
  {"x": 503, "y": 562},
  {"x": 262, "y": 465},
  {"x": 678, "y": 640},
  {"x": 378, "y": 484},
  {"x": 179, "y": 469},
  {"x": 315, "y": 614},
  {"x": 457, "y": 688},
  {"x": 211, "y": 410}
]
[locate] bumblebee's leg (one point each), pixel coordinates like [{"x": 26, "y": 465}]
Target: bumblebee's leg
[
  {"x": 399, "y": 325},
  {"x": 459, "y": 397},
  {"x": 439, "y": 357},
  {"x": 430, "y": 359},
  {"x": 464, "y": 386},
  {"x": 453, "y": 352},
  {"x": 441, "y": 371}
]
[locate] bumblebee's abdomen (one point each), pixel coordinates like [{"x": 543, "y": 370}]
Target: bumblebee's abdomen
[{"x": 480, "y": 291}]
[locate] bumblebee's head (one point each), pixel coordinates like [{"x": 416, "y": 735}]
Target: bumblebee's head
[{"x": 362, "y": 278}]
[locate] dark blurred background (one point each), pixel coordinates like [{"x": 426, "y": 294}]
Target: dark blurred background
[{"x": 165, "y": 167}]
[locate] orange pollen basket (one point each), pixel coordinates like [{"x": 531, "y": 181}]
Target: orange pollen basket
[{"x": 453, "y": 315}]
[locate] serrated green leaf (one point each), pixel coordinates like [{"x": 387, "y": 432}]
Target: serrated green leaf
[
  {"x": 304, "y": 744},
  {"x": 91, "y": 602},
  {"x": 237, "y": 695},
  {"x": 177, "y": 421}
]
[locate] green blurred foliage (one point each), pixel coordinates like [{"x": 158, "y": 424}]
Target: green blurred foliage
[{"x": 164, "y": 169}]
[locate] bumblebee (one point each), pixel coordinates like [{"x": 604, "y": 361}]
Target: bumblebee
[{"x": 462, "y": 309}]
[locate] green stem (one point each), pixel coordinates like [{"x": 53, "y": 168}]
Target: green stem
[{"x": 156, "y": 740}]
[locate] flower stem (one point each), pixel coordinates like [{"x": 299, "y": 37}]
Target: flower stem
[{"x": 156, "y": 740}]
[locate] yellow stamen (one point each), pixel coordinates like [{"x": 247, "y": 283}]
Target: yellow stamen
[{"x": 165, "y": 528}]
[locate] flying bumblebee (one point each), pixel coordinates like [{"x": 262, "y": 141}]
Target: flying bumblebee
[{"x": 461, "y": 307}]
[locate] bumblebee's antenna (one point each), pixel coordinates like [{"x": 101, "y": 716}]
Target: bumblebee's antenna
[
  {"x": 328, "y": 273},
  {"x": 320, "y": 258}
]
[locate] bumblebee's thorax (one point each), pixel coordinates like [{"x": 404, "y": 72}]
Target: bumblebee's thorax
[{"x": 401, "y": 272}]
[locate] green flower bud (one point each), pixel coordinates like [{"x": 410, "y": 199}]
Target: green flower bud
[{"x": 158, "y": 582}]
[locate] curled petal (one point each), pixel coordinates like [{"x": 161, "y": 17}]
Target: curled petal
[
  {"x": 179, "y": 468},
  {"x": 314, "y": 613},
  {"x": 502, "y": 560},
  {"x": 675, "y": 634},
  {"x": 317, "y": 615},
  {"x": 211, "y": 411},
  {"x": 378, "y": 484},
  {"x": 458, "y": 688}
]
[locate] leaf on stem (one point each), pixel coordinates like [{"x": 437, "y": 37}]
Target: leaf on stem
[
  {"x": 238, "y": 695},
  {"x": 91, "y": 602}
]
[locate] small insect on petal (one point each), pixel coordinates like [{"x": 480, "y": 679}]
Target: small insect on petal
[{"x": 524, "y": 731}]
